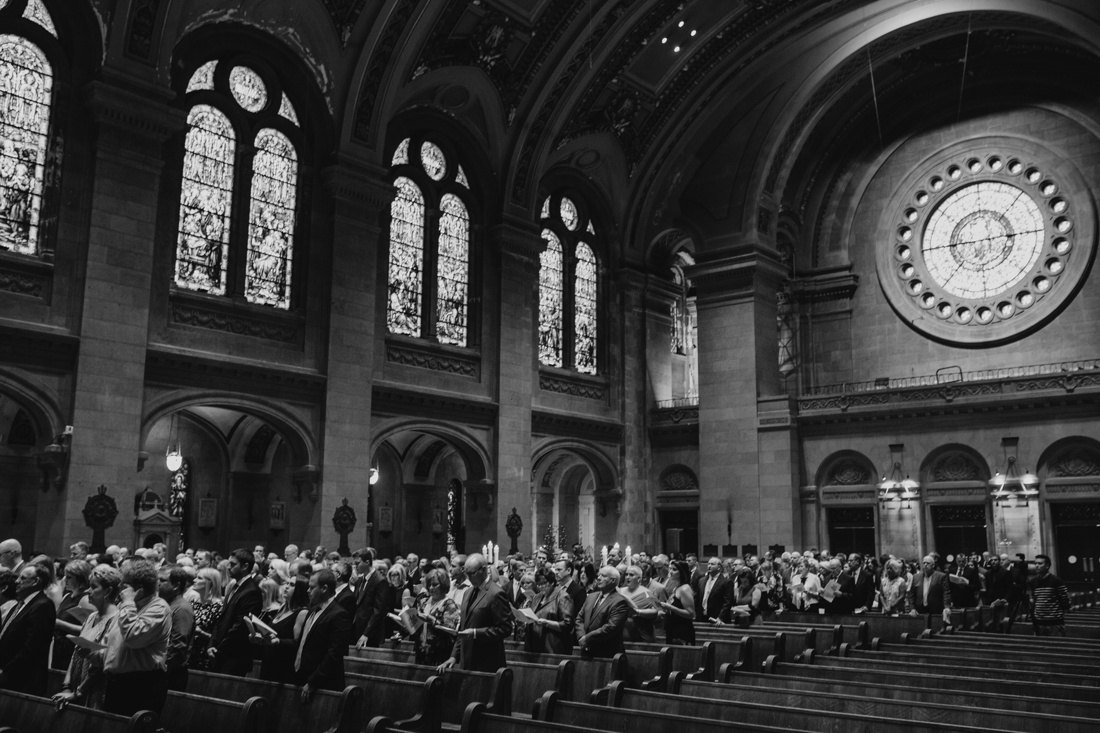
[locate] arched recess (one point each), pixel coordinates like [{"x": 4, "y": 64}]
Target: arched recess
[
  {"x": 38, "y": 402},
  {"x": 434, "y": 491},
  {"x": 849, "y": 519},
  {"x": 1069, "y": 474},
  {"x": 576, "y": 497},
  {"x": 958, "y": 515},
  {"x": 677, "y": 500},
  {"x": 247, "y": 474}
]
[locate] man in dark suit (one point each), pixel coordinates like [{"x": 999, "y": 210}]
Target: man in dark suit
[
  {"x": 345, "y": 596},
  {"x": 26, "y": 635},
  {"x": 369, "y": 624},
  {"x": 929, "y": 591},
  {"x": 713, "y": 594},
  {"x": 857, "y": 587},
  {"x": 229, "y": 647},
  {"x": 485, "y": 623},
  {"x": 319, "y": 661},
  {"x": 602, "y": 619}
]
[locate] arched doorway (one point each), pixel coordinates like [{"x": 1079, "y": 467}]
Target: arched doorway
[{"x": 575, "y": 501}]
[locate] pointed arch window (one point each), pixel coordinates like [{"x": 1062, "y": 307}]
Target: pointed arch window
[
  {"x": 26, "y": 102},
  {"x": 239, "y": 186},
  {"x": 429, "y": 245},
  {"x": 569, "y": 287}
]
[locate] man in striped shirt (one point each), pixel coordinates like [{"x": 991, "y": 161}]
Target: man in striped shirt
[{"x": 1049, "y": 600}]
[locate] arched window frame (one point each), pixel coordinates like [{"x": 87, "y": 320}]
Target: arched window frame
[
  {"x": 433, "y": 192},
  {"x": 247, "y": 126},
  {"x": 38, "y": 25},
  {"x": 586, "y": 234}
]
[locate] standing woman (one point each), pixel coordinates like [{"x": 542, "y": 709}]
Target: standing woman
[
  {"x": 436, "y": 610},
  {"x": 679, "y": 614},
  {"x": 84, "y": 681},
  {"x": 278, "y": 652},
  {"x": 398, "y": 599},
  {"x": 71, "y": 614},
  {"x": 554, "y": 608},
  {"x": 747, "y": 595},
  {"x": 643, "y": 606},
  {"x": 208, "y": 584},
  {"x": 805, "y": 586}
]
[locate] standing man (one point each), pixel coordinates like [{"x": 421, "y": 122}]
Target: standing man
[
  {"x": 857, "y": 586},
  {"x": 137, "y": 650},
  {"x": 600, "y": 623},
  {"x": 713, "y": 594},
  {"x": 11, "y": 555},
  {"x": 930, "y": 591},
  {"x": 172, "y": 582},
  {"x": 460, "y": 584},
  {"x": 345, "y": 596},
  {"x": 485, "y": 623},
  {"x": 229, "y": 647},
  {"x": 26, "y": 635},
  {"x": 319, "y": 662},
  {"x": 290, "y": 554},
  {"x": 1049, "y": 600},
  {"x": 369, "y": 625}
]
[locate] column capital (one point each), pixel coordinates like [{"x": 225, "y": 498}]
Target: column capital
[
  {"x": 352, "y": 180},
  {"x": 518, "y": 239},
  {"x": 134, "y": 110},
  {"x": 737, "y": 274}
]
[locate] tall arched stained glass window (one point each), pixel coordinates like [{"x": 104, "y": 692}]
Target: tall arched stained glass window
[
  {"x": 550, "y": 300},
  {"x": 240, "y": 141},
  {"x": 206, "y": 199},
  {"x": 569, "y": 313},
  {"x": 26, "y": 92},
  {"x": 430, "y": 250},
  {"x": 406, "y": 258},
  {"x": 271, "y": 223}
]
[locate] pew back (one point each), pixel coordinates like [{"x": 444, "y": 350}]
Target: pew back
[{"x": 24, "y": 713}]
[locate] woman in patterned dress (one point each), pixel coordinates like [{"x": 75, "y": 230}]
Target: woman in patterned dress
[
  {"x": 74, "y": 610},
  {"x": 84, "y": 682},
  {"x": 433, "y": 646},
  {"x": 208, "y": 584}
]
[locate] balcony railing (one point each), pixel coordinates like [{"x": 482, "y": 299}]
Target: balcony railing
[{"x": 681, "y": 402}]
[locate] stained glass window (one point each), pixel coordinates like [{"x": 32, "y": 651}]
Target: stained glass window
[
  {"x": 584, "y": 310},
  {"x": 568, "y": 288},
  {"x": 271, "y": 221},
  {"x": 247, "y": 88},
  {"x": 406, "y": 258},
  {"x": 433, "y": 160},
  {"x": 286, "y": 109},
  {"x": 203, "y": 78},
  {"x": 453, "y": 265},
  {"x": 26, "y": 84},
  {"x": 205, "y": 201},
  {"x": 550, "y": 300},
  {"x": 401, "y": 155},
  {"x": 460, "y": 177},
  {"x": 37, "y": 12}
]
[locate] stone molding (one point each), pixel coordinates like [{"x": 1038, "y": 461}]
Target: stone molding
[
  {"x": 241, "y": 324},
  {"x": 573, "y": 386},
  {"x": 575, "y": 426},
  {"x": 392, "y": 399},
  {"x": 180, "y": 368},
  {"x": 432, "y": 356},
  {"x": 26, "y": 276}
]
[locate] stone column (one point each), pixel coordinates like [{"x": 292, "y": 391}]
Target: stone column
[
  {"x": 132, "y": 122},
  {"x": 518, "y": 245},
  {"x": 359, "y": 196},
  {"x": 738, "y": 354},
  {"x": 635, "y": 525}
]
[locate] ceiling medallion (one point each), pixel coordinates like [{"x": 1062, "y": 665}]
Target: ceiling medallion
[{"x": 985, "y": 245}]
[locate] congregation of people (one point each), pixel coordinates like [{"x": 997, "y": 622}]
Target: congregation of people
[{"x": 128, "y": 627}]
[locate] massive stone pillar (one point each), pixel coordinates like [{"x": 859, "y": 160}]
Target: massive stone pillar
[
  {"x": 359, "y": 195},
  {"x": 746, "y": 492},
  {"x": 132, "y": 122},
  {"x": 518, "y": 245}
]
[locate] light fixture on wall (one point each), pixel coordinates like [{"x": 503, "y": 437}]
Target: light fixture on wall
[
  {"x": 373, "y": 476},
  {"x": 173, "y": 458},
  {"x": 1011, "y": 484},
  {"x": 895, "y": 488}
]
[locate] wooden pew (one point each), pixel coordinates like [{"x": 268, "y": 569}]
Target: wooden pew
[
  {"x": 416, "y": 706},
  {"x": 531, "y": 681},
  {"x": 891, "y": 690},
  {"x": 942, "y": 666},
  {"x": 477, "y": 720},
  {"x": 589, "y": 675},
  {"x": 973, "y": 657},
  {"x": 884, "y": 628},
  {"x": 807, "y": 713},
  {"x": 847, "y": 698},
  {"x": 22, "y": 713},
  {"x": 326, "y": 712}
]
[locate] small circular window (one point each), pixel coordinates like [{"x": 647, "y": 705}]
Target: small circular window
[{"x": 985, "y": 245}]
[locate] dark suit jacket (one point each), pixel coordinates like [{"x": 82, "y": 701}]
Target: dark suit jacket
[
  {"x": 604, "y": 625},
  {"x": 577, "y": 594},
  {"x": 346, "y": 600},
  {"x": 939, "y": 593},
  {"x": 718, "y": 602},
  {"x": 25, "y": 647},
  {"x": 491, "y": 616},
  {"x": 855, "y": 595},
  {"x": 323, "y": 650},
  {"x": 230, "y": 635},
  {"x": 371, "y": 610}
]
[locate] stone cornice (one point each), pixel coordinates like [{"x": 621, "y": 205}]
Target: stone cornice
[
  {"x": 544, "y": 422},
  {"x": 835, "y": 284},
  {"x": 168, "y": 366},
  {"x": 741, "y": 275},
  {"x": 133, "y": 109},
  {"x": 358, "y": 182},
  {"x": 394, "y": 400},
  {"x": 518, "y": 239}
]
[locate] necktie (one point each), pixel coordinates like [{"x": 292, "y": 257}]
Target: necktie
[{"x": 302, "y": 642}]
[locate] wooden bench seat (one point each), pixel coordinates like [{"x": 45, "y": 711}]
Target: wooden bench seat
[
  {"x": 476, "y": 719},
  {"x": 972, "y": 657},
  {"x": 22, "y": 713},
  {"x": 1014, "y": 697},
  {"x": 186, "y": 713},
  {"x": 460, "y": 687},
  {"x": 808, "y": 713},
  {"x": 335, "y": 712},
  {"x": 848, "y": 698},
  {"x": 885, "y": 662},
  {"x": 885, "y": 628},
  {"x": 416, "y": 706}
]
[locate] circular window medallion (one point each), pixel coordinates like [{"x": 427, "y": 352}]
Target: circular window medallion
[{"x": 985, "y": 245}]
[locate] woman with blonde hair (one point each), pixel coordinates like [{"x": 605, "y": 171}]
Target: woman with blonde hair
[
  {"x": 84, "y": 681},
  {"x": 208, "y": 584}
]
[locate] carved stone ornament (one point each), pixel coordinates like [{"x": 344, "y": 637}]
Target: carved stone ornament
[
  {"x": 955, "y": 467},
  {"x": 343, "y": 521},
  {"x": 513, "y": 525},
  {"x": 100, "y": 512},
  {"x": 1077, "y": 464},
  {"x": 678, "y": 481},
  {"x": 848, "y": 473}
]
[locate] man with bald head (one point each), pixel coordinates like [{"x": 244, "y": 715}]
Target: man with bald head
[
  {"x": 600, "y": 623},
  {"x": 11, "y": 555},
  {"x": 929, "y": 591},
  {"x": 485, "y": 623}
]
